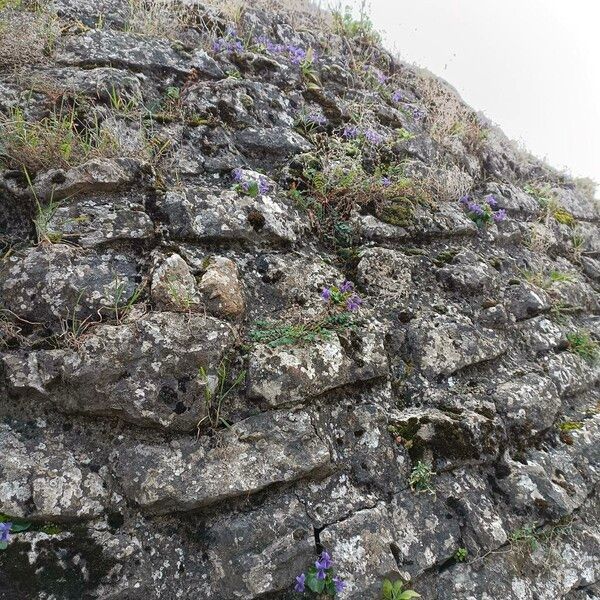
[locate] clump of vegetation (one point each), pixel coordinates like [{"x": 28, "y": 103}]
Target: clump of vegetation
[
  {"x": 394, "y": 590},
  {"x": 216, "y": 390},
  {"x": 526, "y": 535},
  {"x": 582, "y": 343},
  {"x": 420, "y": 478},
  {"x": 321, "y": 578},
  {"x": 546, "y": 198},
  {"x": 10, "y": 526},
  {"x": 340, "y": 304},
  {"x": 63, "y": 139},
  {"x": 461, "y": 554},
  {"x": 249, "y": 185},
  {"x": 28, "y": 33},
  {"x": 484, "y": 212},
  {"x": 357, "y": 29},
  {"x": 544, "y": 280}
]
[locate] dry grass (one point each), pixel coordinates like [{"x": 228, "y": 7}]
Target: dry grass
[
  {"x": 26, "y": 37},
  {"x": 448, "y": 116},
  {"x": 61, "y": 140}
]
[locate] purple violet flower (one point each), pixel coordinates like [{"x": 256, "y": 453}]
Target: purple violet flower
[
  {"x": 297, "y": 55},
  {"x": 417, "y": 113},
  {"x": 347, "y": 286},
  {"x": 499, "y": 216},
  {"x": 475, "y": 209},
  {"x": 353, "y": 303},
  {"x": 5, "y": 532},
  {"x": 465, "y": 199},
  {"x": 350, "y": 132},
  {"x": 339, "y": 584},
  {"x": 326, "y": 294},
  {"x": 238, "y": 175},
  {"x": 386, "y": 181},
  {"x": 324, "y": 561},
  {"x": 264, "y": 187},
  {"x": 373, "y": 137},
  {"x": 315, "y": 118},
  {"x": 397, "y": 96},
  {"x": 300, "y": 582},
  {"x": 491, "y": 200},
  {"x": 381, "y": 77}
]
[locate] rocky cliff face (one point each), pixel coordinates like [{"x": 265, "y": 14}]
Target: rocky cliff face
[{"x": 266, "y": 291}]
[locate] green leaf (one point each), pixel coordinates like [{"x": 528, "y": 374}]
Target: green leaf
[
  {"x": 311, "y": 581},
  {"x": 387, "y": 589},
  {"x": 398, "y": 585},
  {"x": 20, "y": 526},
  {"x": 408, "y": 594},
  {"x": 3, "y": 545}
]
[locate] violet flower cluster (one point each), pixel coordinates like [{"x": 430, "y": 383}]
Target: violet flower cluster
[
  {"x": 230, "y": 42},
  {"x": 343, "y": 295},
  {"x": 4, "y": 534},
  {"x": 244, "y": 184},
  {"x": 320, "y": 578},
  {"x": 372, "y": 136},
  {"x": 295, "y": 54},
  {"x": 484, "y": 212}
]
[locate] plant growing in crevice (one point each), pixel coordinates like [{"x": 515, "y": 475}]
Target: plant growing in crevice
[
  {"x": 394, "y": 590},
  {"x": 582, "y": 343},
  {"x": 249, "y": 185},
  {"x": 320, "y": 579},
  {"x": 340, "y": 304},
  {"x": 483, "y": 212},
  {"x": 420, "y": 478},
  {"x": 217, "y": 388},
  {"x": 10, "y": 526},
  {"x": 525, "y": 536},
  {"x": 461, "y": 554}
]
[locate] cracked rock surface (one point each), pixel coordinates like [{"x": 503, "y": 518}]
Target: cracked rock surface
[{"x": 190, "y": 409}]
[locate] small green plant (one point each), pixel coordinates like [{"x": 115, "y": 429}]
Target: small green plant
[
  {"x": 570, "y": 425},
  {"x": 581, "y": 342},
  {"x": 309, "y": 72},
  {"x": 121, "y": 302},
  {"x": 526, "y": 536},
  {"x": 347, "y": 26},
  {"x": 321, "y": 578},
  {"x": 420, "y": 478},
  {"x": 216, "y": 392},
  {"x": 277, "y": 334},
  {"x": 393, "y": 590},
  {"x": 461, "y": 554}
]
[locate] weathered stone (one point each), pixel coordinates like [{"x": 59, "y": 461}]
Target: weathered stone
[
  {"x": 525, "y": 300},
  {"x": 144, "y": 371},
  {"x": 451, "y": 437},
  {"x": 43, "y": 480},
  {"x": 529, "y": 404},
  {"x": 293, "y": 374},
  {"x": 362, "y": 548},
  {"x": 174, "y": 286},
  {"x": 96, "y": 175},
  {"x": 268, "y": 449},
  {"x": 423, "y": 531},
  {"x": 215, "y": 215},
  {"x": 97, "y": 220},
  {"x": 275, "y": 143},
  {"x": 136, "y": 52},
  {"x": 385, "y": 273},
  {"x": 468, "y": 273},
  {"x": 221, "y": 288},
  {"x": 570, "y": 373},
  {"x": 55, "y": 282},
  {"x": 441, "y": 345}
]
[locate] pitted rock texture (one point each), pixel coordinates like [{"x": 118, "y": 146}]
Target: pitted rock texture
[{"x": 183, "y": 413}]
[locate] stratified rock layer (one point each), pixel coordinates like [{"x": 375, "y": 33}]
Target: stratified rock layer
[{"x": 184, "y": 415}]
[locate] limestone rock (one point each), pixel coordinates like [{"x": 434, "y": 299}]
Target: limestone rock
[
  {"x": 261, "y": 451},
  {"x": 221, "y": 288}
]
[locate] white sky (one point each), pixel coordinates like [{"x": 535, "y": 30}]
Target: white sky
[{"x": 532, "y": 66}]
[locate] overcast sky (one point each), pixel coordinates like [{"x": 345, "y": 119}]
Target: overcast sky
[{"x": 532, "y": 66}]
